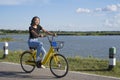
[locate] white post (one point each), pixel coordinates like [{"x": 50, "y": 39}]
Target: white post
[
  {"x": 112, "y": 58},
  {"x": 5, "y": 49}
]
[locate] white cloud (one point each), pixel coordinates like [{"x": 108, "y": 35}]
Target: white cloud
[
  {"x": 98, "y": 9},
  {"x": 19, "y": 2},
  {"x": 108, "y": 8},
  {"x": 13, "y": 2},
  {"x": 82, "y": 10},
  {"x": 111, "y": 8},
  {"x": 113, "y": 22},
  {"x": 108, "y": 23}
]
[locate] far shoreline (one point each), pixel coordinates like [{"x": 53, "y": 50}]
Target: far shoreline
[{"x": 66, "y": 33}]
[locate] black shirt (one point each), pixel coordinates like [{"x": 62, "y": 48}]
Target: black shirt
[{"x": 37, "y": 30}]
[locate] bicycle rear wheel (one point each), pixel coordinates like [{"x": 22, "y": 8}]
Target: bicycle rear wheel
[
  {"x": 59, "y": 65},
  {"x": 27, "y": 62}
]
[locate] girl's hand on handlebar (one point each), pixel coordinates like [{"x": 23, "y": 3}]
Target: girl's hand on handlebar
[
  {"x": 41, "y": 35},
  {"x": 54, "y": 34}
]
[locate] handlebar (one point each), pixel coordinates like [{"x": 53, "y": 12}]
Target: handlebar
[
  {"x": 50, "y": 38},
  {"x": 55, "y": 44}
]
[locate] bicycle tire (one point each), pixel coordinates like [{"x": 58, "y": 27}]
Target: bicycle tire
[
  {"x": 66, "y": 63},
  {"x": 27, "y": 66}
]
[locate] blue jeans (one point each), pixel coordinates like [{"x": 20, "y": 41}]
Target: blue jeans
[{"x": 39, "y": 45}]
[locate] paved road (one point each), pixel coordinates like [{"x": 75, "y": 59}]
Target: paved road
[{"x": 9, "y": 71}]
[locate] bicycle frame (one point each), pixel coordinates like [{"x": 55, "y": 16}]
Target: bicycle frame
[
  {"x": 50, "y": 53},
  {"x": 48, "y": 56}
]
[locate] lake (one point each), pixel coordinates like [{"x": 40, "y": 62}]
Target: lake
[{"x": 95, "y": 46}]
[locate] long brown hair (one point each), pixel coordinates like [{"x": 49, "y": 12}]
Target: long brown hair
[{"x": 33, "y": 20}]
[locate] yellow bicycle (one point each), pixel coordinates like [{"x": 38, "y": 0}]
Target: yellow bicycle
[{"x": 57, "y": 63}]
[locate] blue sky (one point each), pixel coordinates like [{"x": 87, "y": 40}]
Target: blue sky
[{"x": 65, "y": 15}]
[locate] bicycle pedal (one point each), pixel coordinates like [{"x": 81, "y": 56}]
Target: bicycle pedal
[{"x": 38, "y": 64}]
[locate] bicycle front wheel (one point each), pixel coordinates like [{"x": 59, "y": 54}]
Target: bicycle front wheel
[
  {"x": 27, "y": 62},
  {"x": 59, "y": 65}
]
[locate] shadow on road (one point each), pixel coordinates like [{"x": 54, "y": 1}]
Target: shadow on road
[
  {"x": 94, "y": 70},
  {"x": 12, "y": 74}
]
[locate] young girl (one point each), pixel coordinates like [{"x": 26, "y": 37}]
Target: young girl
[{"x": 34, "y": 34}]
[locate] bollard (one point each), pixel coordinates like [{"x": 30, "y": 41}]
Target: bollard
[
  {"x": 5, "y": 49},
  {"x": 112, "y": 58}
]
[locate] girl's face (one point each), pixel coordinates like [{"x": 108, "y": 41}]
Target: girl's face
[{"x": 37, "y": 21}]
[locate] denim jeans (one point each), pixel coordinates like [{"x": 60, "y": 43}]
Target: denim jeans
[{"x": 39, "y": 45}]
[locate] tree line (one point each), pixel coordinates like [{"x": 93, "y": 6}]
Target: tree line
[{"x": 86, "y": 33}]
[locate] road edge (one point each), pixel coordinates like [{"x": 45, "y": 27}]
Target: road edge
[{"x": 73, "y": 72}]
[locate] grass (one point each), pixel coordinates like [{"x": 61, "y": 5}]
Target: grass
[
  {"x": 88, "y": 65},
  {"x": 94, "y": 66},
  {"x": 13, "y": 56},
  {"x": 3, "y": 39}
]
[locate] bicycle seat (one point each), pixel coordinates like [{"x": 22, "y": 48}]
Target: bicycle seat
[{"x": 33, "y": 48}]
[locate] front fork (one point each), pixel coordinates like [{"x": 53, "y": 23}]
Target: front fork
[{"x": 56, "y": 59}]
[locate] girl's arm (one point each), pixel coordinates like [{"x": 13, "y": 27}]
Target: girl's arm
[
  {"x": 48, "y": 32},
  {"x": 38, "y": 35}
]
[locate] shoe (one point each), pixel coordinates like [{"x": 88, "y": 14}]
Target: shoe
[
  {"x": 42, "y": 66},
  {"x": 38, "y": 64}
]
